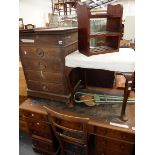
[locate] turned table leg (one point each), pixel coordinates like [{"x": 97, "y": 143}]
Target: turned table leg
[{"x": 128, "y": 86}]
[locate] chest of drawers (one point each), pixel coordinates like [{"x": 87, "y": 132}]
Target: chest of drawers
[{"x": 42, "y": 53}]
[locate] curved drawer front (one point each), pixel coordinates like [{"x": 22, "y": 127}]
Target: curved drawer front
[
  {"x": 39, "y": 52},
  {"x": 48, "y": 65},
  {"x": 44, "y": 76},
  {"x": 46, "y": 87}
]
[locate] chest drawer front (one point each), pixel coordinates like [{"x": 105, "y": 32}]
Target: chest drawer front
[
  {"x": 38, "y": 125},
  {"x": 52, "y": 40},
  {"x": 44, "y": 76},
  {"x": 46, "y": 87},
  {"x": 41, "y": 133},
  {"x": 47, "y": 65},
  {"x": 39, "y": 52},
  {"x": 43, "y": 145},
  {"x": 115, "y": 134},
  {"x": 118, "y": 146},
  {"x": 29, "y": 39},
  {"x": 34, "y": 115}
]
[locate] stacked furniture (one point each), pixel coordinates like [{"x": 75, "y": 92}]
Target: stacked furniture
[
  {"x": 109, "y": 39},
  {"x": 42, "y": 53},
  {"x": 104, "y": 138}
]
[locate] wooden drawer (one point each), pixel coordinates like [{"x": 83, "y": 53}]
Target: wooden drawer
[
  {"x": 46, "y": 87},
  {"x": 40, "y": 133},
  {"x": 44, "y": 76},
  {"x": 57, "y": 40},
  {"x": 54, "y": 65},
  {"x": 39, "y": 52},
  {"x": 28, "y": 39},
  {"x": 40, "y": 144},
  {"x": 105, "y": 144},
  {"x": 38, "y": 125},
  {"x": 115, "y": 134},
  {"x": 34, "y": 115}
]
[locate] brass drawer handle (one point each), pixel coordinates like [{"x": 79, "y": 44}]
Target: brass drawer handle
[
  {"x": 40, "y": 52},
  {"x": 41, "y": 66},
  {"x": 38, "y": 123}
]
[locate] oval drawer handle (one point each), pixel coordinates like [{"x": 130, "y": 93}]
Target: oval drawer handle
[
  {"x": 41, "y": 66},
  {"x": 40, "y": 52},
  {"x": 32, "y": 115},
  {"x": 38, "y": 123}
]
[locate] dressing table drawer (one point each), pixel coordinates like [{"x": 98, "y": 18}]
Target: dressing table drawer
[
  {"x": 42, "y": 144},
  {"x": 34, "y": 115},
  {"x": 115, "y": 134},
  {"x": 106, "y": 144}
]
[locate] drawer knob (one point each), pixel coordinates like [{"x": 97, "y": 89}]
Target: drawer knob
[
  {"x": 38, "y": 123},
  {"x": 32, "y": 115},
  {"x": 41, "y": 66},
  {"x": 40, "y": 52},
  {"x": 44, "y": 87}
]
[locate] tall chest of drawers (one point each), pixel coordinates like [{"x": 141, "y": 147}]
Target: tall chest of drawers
[{"x": 42, "y": 53}]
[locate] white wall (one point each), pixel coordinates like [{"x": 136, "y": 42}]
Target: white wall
[{"x": 35, "y": 11}]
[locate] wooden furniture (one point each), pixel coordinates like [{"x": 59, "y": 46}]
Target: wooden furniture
[
  {"x": 63, "y": 5},
  {"x": 104, "y": 138},
  {"x": 42, "y": 53},
  {"x": 121, "y": 62},
  {"x": 22, "y": 98},
  {"x": 65, "y": 132},
  {"x": 108, "y": 40},
  {"x": 59, "y": 6}
]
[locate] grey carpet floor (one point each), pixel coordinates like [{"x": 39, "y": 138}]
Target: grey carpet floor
[{"x": 25, "y": 145}]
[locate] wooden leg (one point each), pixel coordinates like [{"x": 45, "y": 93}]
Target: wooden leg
[
  {"x": 70, "y": 87},
  {"x": 127, "y": 89}
]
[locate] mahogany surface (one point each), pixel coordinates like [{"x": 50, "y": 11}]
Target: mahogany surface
[{"x": 103, "y": 137}]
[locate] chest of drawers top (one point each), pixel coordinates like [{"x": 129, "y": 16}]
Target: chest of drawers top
[{"x": 49, "y": 37}]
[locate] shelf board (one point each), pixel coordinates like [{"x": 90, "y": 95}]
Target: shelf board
[
  {"x": 103, "y": 15},
  {"x": 104, "y": 34},
  {"x": 102, "y": 50}
]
